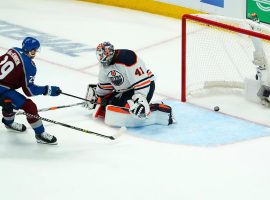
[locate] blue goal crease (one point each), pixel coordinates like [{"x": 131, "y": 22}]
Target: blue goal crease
[{"x": 201, "y": 127}]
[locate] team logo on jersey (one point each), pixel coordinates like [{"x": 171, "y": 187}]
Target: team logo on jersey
[{"x": 116, "y": 78}]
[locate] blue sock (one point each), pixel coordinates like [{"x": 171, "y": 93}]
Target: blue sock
[{"x": 7, "y": 122}]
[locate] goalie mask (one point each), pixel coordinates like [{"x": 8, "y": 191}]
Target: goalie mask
[{"x": 105, "y": 52}]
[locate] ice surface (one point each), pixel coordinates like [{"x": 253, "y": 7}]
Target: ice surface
[{"x": 85, "y": 166}]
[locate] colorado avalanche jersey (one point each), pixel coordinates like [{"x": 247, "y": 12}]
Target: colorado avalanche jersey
[
  {"x": 125, "y": 72},
  {"x": 17, "y": 70}
]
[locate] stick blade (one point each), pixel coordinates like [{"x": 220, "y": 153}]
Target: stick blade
[{"x": 119, "y": 133}]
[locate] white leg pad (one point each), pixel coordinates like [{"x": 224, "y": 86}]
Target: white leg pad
[{"x": 119, "y": 117}]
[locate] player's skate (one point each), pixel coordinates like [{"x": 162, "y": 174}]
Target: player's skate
[
  {"x": 15, "y": 126},
  {"x": 46, "y": 138}
]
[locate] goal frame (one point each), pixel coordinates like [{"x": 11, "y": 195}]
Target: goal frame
[{"x": 184, "y": 44}]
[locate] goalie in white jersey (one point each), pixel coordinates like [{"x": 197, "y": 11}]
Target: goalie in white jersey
[{"x": 126, "y": 85}]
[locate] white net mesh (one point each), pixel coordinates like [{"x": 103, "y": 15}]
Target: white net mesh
[{"x": 220, "y": 58}]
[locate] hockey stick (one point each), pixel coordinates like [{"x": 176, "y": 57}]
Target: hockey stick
[
  {"x": 75, "y": 97},
  {"x": 54, "y": 108},
  {"x": 72, "y": 127},
  {"x": 101, "y": 101}
]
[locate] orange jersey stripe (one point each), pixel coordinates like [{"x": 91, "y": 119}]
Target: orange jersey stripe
[
  {"x": 117, "y": 109},
  {"x": 106, "y": 87},
  {"x": 163, "y": 106},
  {"x": 143, "y": 83}
]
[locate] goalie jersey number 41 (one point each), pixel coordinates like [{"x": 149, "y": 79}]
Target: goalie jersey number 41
[{"x": 125, "y": 72}]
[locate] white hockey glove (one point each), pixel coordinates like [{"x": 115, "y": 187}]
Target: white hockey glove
[
  {"x": 91, "y": 97},
  {"x": 139, "y": 106}
]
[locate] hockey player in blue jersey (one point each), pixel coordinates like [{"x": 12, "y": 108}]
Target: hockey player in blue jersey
[{"x": 18, "y": 70}]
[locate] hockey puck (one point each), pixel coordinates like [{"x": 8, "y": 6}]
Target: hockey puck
[{"x": 216, "y": 108}]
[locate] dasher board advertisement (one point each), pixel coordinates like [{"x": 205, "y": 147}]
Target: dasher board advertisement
[{"x": 261, "y": 8}]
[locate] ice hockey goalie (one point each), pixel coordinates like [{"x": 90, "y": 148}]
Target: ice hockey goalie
[{"x": 124, "y": 90}]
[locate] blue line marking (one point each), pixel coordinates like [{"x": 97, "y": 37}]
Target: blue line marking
[{"x": 201, "y": 127}]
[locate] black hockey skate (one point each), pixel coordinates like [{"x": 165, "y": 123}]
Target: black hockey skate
[
  {"x": 15, "y": 126},
  {"x": 171, "y": 119},
  {"x": 46, "y": 138}
]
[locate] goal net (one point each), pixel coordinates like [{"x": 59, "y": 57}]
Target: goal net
[{"x": 217, "y": 52}]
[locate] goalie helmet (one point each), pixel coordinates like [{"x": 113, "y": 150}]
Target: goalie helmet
[{"x": 105, "y": 53}]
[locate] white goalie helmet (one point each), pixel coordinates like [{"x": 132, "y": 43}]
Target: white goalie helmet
[{"x": 105, "y": 52}]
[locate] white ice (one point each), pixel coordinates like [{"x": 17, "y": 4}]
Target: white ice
[{"x": 84, "y": 166}]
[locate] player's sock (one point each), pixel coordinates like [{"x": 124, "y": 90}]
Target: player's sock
[
  {"x": 14, "y": 126},
  {"x": 46, "y": 138}
]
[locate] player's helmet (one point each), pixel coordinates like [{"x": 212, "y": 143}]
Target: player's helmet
[
  {"x": 30, "y": 44},
  {"x": 105, "y": 52}
]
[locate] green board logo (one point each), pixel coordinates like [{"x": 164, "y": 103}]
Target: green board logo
[{"x": 261, "y": 8}]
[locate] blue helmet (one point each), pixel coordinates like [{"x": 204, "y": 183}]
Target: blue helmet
[{"x": 29, "y": 44}]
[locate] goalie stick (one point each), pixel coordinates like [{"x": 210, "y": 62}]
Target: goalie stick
[{"x": 73, "y": 127}]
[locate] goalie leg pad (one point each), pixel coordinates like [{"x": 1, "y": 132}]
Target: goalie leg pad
[{"x": 120, "y": 116}]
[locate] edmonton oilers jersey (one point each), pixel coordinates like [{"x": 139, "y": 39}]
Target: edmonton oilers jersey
[
  {"x": 125, "y": 72},
  {"x": 17, "y": 70}
]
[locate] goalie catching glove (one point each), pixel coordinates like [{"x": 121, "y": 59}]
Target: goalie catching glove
[
  {"x": 139, "y": 106},
  {"x": 91, "y": 97}
]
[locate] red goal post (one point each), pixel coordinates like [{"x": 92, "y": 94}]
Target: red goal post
[{"x": 223, "y": 39}]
